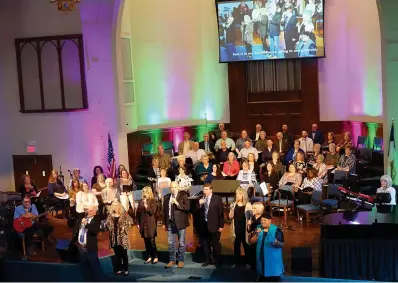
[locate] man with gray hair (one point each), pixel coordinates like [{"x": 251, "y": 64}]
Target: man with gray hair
[
  {"x": 195, "y": 153},
  {"x": 85, "y": 237}
]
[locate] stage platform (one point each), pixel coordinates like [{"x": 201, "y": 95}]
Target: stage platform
[
  {"x": 140, "y": 272},
  {"x": 303, "y": 236}
]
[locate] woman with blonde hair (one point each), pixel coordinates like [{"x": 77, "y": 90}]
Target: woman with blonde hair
[
  {"x": 108, "y": 195},
  {"x": 126, "y": 197},
  {"x": 386, "y": 187},
  {"x": 118, "y": 224},
  {"x": 314, "y": 156},
  {"x": 252, "y": 224},
  {"x": 300, "y": 163},
  {"x": 204, "y": 168},
  {"x": 85, "y": 199},
  {"x": 237, "y": 213},
  {"x": 99, "y": 185},
  {"x": 146, "y": 220}
]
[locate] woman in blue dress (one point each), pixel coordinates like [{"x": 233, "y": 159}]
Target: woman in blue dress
[{"x": 269, "y": 251}]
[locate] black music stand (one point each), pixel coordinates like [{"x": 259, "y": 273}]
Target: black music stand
[
  {"x": 285, "y": 191},
  {"x": 127, "y": 189},
  {"x": 225, "y": 187}
]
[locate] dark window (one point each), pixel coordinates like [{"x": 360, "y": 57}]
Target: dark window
[
  {"x": 51, "y": 73},
  {"x": 274, "y": 75}
]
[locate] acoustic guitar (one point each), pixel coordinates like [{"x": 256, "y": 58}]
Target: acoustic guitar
[{"x": 22, "y": 223}]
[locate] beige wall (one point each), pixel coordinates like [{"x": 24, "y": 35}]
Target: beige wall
[
  {"x": 350, "y": 76},
  {"x": 175, "y": 54}
]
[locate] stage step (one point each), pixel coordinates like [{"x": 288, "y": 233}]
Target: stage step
[{"x": 193, "y": 272}]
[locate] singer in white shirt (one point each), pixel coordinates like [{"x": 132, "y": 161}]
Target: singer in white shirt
[
  {"x": 85, "y": 235},
  {"x": 244, "y": 152},
  {"x": 85, "y": 199},
  {"x": 306, "y": 144},
  {"x": 195, "y": 153},
  {"x": 163, "y": 182}
]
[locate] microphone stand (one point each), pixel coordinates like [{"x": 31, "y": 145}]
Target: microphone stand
[
  {"x": 206, "y": 122},
  {"x": 61, "y": 177}
]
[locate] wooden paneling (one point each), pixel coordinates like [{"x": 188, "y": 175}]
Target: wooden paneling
[{"x": 271, "y": 109}]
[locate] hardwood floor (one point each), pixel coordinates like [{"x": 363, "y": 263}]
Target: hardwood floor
[{"x": 303, "y": 236}]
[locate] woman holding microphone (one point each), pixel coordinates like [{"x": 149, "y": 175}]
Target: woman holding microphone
[
  {"x": 147, "y": 223},
  {"x": 237, "y": 212}
]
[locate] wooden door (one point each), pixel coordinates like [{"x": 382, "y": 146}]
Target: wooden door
[{"x": 38, "y": 167}]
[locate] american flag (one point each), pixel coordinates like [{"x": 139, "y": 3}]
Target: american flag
[{"x": 111, "y": 159}]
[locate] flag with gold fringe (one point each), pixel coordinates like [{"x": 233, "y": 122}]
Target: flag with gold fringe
[{"x": 391, "y": 153}]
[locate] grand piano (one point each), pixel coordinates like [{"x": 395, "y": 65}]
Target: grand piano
[{"x": 360, "y": 245}]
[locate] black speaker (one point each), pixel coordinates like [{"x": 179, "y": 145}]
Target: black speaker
[{"x": 301, "y": 259}]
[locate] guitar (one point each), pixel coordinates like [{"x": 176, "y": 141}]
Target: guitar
[{"x": 21, "y": 223}]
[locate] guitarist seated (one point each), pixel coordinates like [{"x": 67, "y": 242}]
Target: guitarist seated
[{"x": 29, "y": 211}]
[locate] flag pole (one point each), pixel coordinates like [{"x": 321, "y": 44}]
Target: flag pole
[{"x": 391, "y": 151}]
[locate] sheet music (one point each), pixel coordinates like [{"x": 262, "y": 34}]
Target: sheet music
[
  {"x": 264, "y": 188},
  {"x": 37, "y": 195}
]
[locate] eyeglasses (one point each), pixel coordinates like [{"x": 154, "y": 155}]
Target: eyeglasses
[{"x": 27, "y": 201}]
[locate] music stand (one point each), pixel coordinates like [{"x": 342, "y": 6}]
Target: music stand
[
  {"x": 127, "y": 188},
  {"x": 225, "y": 187},
  {"x": 196, "y": 189},
  {"x": 339, "y": 175},
  {"x": 286, "y": 192}
]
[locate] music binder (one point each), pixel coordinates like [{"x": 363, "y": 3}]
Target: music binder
[{"x": 127, "y": 188}]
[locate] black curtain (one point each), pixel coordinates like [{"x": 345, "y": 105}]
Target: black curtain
[{"x": 370, "y": 259}]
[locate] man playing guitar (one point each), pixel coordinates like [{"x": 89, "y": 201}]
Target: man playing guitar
[{"x": 28, "y": 210}]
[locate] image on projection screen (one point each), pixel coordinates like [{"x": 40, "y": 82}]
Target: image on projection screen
[{"x": 270, "y": 29}]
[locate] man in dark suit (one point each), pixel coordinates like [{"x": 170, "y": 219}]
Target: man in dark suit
[
  {"x": 288, "y": 137},
  {"x": 316, "y": 135},
  {"x": 176, "y": 209},
  {"x": 256, "y": 135},
  {"x": 85, "y": 237},
  {"x": 267, "y": 153},
  {"x": 207, "y": 145},
  {"x": 291, "y": 33},
  {"x": 281, "y": 144},
  {"x": 212, "y": 218}
]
